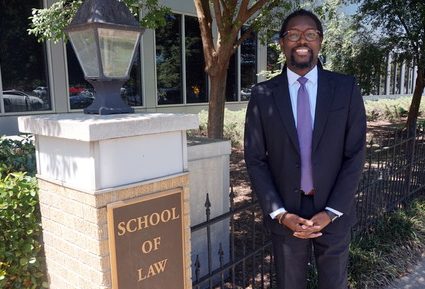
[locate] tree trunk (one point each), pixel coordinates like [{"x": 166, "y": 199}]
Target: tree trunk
[
  {"x": 217, "y": 103},
  {"x": 416, "y": 101}
]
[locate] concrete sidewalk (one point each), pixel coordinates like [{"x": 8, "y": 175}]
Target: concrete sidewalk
[{"x": 413, "y": 280}]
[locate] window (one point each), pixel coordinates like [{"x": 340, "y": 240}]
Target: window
[
  {"x": 196, "y": 78},
  {"x": 180, "y": 68},
  {"x": 169, "y": 61},
  {"x": 248, "y": 65},
  {"x": 273, "y": 54},
  {"x": 23, "y": 61},
  {"x": 232, "y": 80}
]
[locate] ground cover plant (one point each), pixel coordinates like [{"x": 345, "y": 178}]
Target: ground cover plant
[
  {"x": 392, "y": 110},
  {"x": 392, "y": 245}
]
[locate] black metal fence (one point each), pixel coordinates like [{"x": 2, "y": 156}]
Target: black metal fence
[{"x": 392, "y": 175}]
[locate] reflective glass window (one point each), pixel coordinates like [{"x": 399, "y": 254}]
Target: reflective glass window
[
  {"x": 273, "y": 54},
  {"x": 248, "y": 65},
  {"x": 168, "y": 61},
  {"x": 232, "y": 79},
  {"x": 196, "y": 78},
  {"x": 23, "y": 60}
]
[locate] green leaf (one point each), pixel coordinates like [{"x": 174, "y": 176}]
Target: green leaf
[{"x": 23, "y": 261}]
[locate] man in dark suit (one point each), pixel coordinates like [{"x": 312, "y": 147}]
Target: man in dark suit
[{"x": 304, "y": 149}]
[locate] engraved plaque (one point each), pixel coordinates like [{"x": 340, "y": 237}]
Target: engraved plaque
[{"x": 146, "y": 241}]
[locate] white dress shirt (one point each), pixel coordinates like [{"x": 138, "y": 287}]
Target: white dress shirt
[{"x": 311, "y": 86}]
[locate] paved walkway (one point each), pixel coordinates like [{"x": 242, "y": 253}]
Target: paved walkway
[{"x": 414, "y": 280}]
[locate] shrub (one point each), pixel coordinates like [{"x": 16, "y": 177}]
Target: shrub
[
  {"x": 21, "y": 261},
  {"x": 233, "y": 129},
  {"x": 389, "y": 109},
  {"x": 21, "y": 264},
  {"x": 17, "y": 155}
]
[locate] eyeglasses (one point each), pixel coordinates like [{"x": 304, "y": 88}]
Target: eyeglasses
[{"x": 295, "y": 35}]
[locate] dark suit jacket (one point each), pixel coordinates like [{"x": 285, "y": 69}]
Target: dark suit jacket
[{"x": 272, "y": 151}]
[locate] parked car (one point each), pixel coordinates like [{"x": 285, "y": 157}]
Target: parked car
[
  {"x": 245, "y": 93},
  {"x": 41, "y": 92},
  {"x": 74, "y": 90},
  {"x": 15, "y": 101},
  {"x": 81, "y": 100}
]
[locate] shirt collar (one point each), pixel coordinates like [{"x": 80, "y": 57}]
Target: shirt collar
[{"x": 311, "y": 76}]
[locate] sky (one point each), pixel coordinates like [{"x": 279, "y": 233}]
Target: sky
[{"x": 350, "y": 9}]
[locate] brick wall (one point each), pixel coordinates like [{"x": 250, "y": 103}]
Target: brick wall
[{"x": 75, "y": 231}]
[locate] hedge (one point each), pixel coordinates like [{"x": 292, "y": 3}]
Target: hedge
[{"x": 21, "y": 258}]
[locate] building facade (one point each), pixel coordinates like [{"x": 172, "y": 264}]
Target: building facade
[{"x": 167, "y": 76}]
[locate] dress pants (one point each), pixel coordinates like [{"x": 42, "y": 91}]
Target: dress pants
[{"x": 292, "y": 254}]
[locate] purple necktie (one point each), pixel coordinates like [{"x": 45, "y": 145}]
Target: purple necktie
[{"x": 305, "y": 135}]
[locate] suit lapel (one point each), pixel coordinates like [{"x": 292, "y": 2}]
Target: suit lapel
[
  {"x": 325, "y": 95},
  {"x": 283, "y": 103}
]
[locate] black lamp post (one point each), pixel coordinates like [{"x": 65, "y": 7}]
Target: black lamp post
[{"x": 105, "y": 36}]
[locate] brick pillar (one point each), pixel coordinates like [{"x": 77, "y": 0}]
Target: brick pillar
[{"x": 86, "y": 163}]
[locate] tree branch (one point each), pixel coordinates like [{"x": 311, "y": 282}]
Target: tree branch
[
  {"x": 245, "y": 13},
  {"x": 244, "y": 36},
  {"x": 218, "y": 16},
  {"x": 409, "y": 34},
  {"x": 205, "y": 24},
  {"x": 257, "y": 6},
  {"x": 226, "y": 10},
  {"x": 241, "y": 18},
  {"x": 232, "y": 4},
  {"x": 244, "y": 6},
  {"x": 223, "y": 3}
]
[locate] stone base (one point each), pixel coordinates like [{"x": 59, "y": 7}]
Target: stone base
[
  {"x": 208, "y": 162},
  {"x": 75, "y": 230}
]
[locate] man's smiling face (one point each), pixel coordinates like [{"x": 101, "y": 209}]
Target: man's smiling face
[{"x": 301, "y": 56}]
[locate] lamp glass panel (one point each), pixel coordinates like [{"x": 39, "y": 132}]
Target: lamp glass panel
[
  {"x": 84, "y": 43},
  {"x": 116, "y": 49}
]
